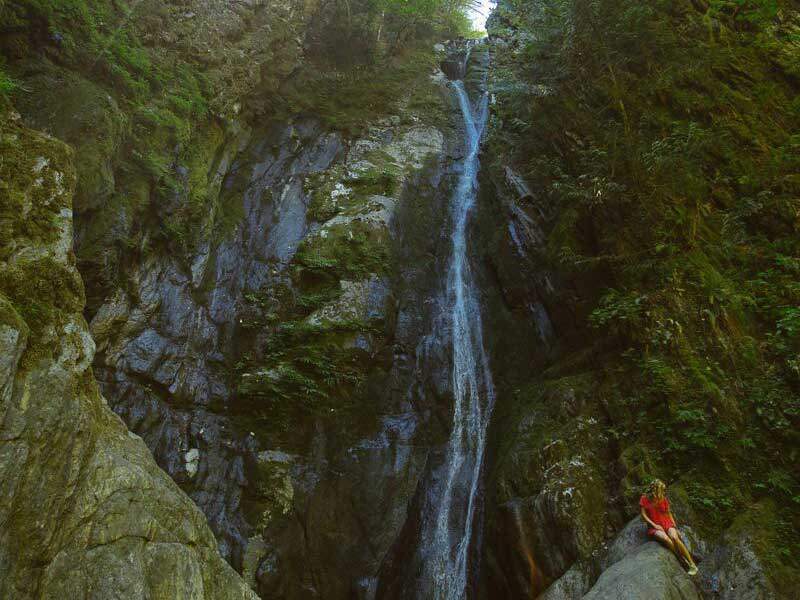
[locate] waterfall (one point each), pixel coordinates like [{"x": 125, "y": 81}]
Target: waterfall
[{"x": 447, "y": 529}]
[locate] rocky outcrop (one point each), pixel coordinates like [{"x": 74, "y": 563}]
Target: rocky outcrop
[
  {"x": 85, "y": 511},
  {"x": 353, "y": 478},
  {"x": 552, "y": 492},
  {"x": 648, "y": 572},
  {"x": 629, "y": 567}
]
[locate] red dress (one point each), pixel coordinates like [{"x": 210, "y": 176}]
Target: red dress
[{"x": 658, "y": 512}]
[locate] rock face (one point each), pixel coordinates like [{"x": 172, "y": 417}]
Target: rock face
[
  {"x": 173, "y": 337},
  {"x": 256, "y": 287},
  {"x": 261, "y": 287},
  {"x": 85, "y": 511},
  {"x": 190, "y": 353}
]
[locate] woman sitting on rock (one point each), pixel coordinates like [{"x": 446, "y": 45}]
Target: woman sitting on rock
[{"x": 656, "y": 513}]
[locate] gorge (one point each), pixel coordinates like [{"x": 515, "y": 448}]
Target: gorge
[{"x": 343, "y": 300}]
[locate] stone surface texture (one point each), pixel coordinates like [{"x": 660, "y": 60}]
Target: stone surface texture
[{"x": 84, "y": 512}]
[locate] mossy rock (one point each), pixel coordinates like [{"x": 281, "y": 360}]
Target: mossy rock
[{"x": 36, "y": 184}]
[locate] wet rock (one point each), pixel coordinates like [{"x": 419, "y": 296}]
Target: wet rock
[
  {"x": 561, "y": 523},
  {"x": 516, "y": 183},
  {"x": 453, "y": 67},
  {"x": 735, "y": 572},
  {"x": 350, "y": 493},
  {"x": 741, "y": 575}
]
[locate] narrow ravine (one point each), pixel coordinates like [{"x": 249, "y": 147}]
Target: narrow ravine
[{"x": 448, "y": 529}]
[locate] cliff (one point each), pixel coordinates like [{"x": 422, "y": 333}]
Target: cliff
[{"x": 286, "y": 374}]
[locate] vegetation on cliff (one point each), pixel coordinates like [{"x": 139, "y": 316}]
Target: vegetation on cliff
[
  {"x": 662, "y": 140},
  {"x": 661, "y": 143},
  {"x": 158, "y": 99},
  {"x": 153, "y": 92},
  {"x": 80, "y": 491}
]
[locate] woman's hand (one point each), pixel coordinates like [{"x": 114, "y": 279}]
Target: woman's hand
[{"x": 647, "y": 520}]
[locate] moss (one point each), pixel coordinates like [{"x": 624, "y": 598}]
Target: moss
[
  {"x": 199, "y": 160},
  {"x": 382, "y": 178},
  {"x": 10, "y": 317},
  {"x": 86, "y": 114},
  {"x": 230, "y": 212},
  {"x": 349, "y": 100},
  {"x": 766, "y": 527},
  {"x": 349, "y": 251},
  {"x": 324, "y": 201},
  {"x": 307, "y": 370},
  {"x": 36, "y": 183},
  {"x": 134, "y": 110},
  {"x": 640, "y": 465},
  {"x": 40, "y": 288},
  {"x": 7, "y": 84}
]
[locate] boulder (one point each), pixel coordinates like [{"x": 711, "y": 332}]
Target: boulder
[
  {"x": 633, "y": 535},
  {"x": 648, "y": 572},
  {"x": 618, "y": 568},
  {"x": 734, "y": 572},
  {"x": 573, "y": 584}
]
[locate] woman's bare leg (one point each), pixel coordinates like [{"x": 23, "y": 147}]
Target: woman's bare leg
[
  {"x": 663, "y": 539},
  {"x": 680, "y": 547}
]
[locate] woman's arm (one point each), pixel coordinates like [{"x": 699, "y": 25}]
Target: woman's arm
[{"x": 647, "y": 520}]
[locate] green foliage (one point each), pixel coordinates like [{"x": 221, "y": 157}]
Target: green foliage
[
  {"x": 618, "y": 310},
  {"x": 7, "y": 84},
  {"x": 665, "y": 138},
  {"x": 718, "y": 503},
  {"x": 305, "y": 368},
  {"x": 758, "y": 12},
  {"x": 349, "y": 99},
  {"x": 350, "y": 251}
]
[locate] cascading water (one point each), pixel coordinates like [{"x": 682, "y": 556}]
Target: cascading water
[{"x": 447, "y": 530}]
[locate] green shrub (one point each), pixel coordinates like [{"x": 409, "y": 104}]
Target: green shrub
[{"x": 7, "y": 84}]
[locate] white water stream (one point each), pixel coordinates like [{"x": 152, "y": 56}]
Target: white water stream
[{"x": 447, "y": 531}]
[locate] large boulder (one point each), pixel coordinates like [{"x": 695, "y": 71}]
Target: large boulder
[
  {"x": 573, "y": 584},
  {"x": 649, "y": 572},
  {"x": 627, "y": 567}
]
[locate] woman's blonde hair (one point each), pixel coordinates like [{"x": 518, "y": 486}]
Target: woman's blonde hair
[{"x": 657, "y": 489}]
